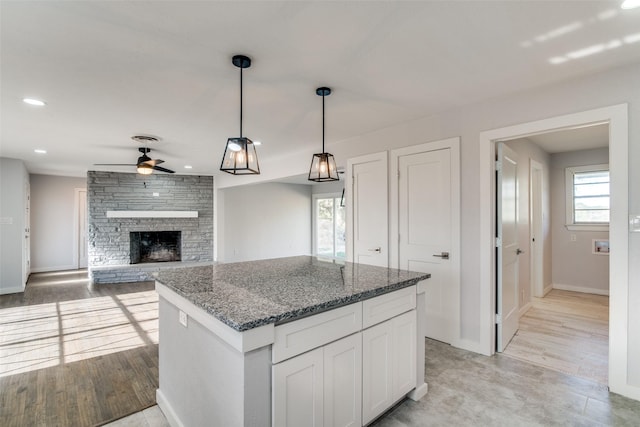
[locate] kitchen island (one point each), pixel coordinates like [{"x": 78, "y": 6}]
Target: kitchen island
[{"x": 288, "y": 341}]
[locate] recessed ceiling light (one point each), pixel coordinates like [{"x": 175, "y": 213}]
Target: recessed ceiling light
[
  {"x": 630, "y": 4},
  {"x": 32, "y": 101},
  {"x": 40, "y": 151},
  {"x": 257, "y": 143},
  {"x": 188, "y": 167}
]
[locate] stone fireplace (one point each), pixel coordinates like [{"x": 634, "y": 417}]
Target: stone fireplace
[{"x": 128, "y": 213}]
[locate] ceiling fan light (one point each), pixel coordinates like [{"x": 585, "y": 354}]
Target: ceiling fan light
[
  {"x": 323, "y": 168},
  {"x": 240, "y": 157},
  {"x": 144, "y": 169}
]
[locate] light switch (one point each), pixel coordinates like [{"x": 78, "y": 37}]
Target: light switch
[
  {"x": 634, "y": 223},
  {"x": 573, "y": 238}
]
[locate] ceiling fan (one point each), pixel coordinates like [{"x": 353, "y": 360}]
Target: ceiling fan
[{"x": 145, "y": 164}]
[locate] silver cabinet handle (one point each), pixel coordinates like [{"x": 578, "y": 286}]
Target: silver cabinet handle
[
  {"x": 378, "y": 249},
  {"x": 443, "y": 255}
]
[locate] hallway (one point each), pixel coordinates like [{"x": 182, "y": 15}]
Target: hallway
[{"x": 567, "y": 332}]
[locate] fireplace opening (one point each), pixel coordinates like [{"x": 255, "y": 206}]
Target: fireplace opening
[{"x": 155, "y": 246}]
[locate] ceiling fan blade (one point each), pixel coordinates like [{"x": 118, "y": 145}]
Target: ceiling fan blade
[
  {"x": 153, "y": 162},
  {"x": 161, "y": 169},
  {"x": 114, "y": 164}
]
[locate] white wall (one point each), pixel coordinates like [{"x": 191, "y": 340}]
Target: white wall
[
  {"x": 579, "y": 94},
  {"x": 329, "y": 187},
  {"x": 13, "y": 181},
  {"x": 263, "y": 221},
  {"x": 52, "y": 222},
  {"x": 574, "y": 266},
  {"x": 526, "y": 151}
]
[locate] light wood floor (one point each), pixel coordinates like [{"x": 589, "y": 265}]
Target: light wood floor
[
  {"x": 567, "y": 332},
  {"x": 72, "y": 354}
]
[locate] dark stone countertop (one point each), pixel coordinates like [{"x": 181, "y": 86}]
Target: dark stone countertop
[{"x": 245, "y": 295}]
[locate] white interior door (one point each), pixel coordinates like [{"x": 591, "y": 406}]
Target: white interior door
[
  {"x": 507, "y": 249},
  {"x": 367, "y": 210},
  {"x": 425, "y": 237}
]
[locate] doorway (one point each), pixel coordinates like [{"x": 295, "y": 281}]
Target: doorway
[
  {"x": 566, "y": 330},
  {"x": 80, "y": 242},
  {"x": 616, "y": 117}
]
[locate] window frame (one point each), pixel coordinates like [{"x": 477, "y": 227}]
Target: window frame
[
  {"x": 314, "y": 222},
  {"x": 569, "y": 186}
]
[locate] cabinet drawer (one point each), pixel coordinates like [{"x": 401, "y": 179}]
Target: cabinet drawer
[
  {"x": 379, "y": 309},
  {"x": 305, "y": 334}
]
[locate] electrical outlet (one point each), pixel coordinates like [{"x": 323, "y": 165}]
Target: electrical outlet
[{"x": 182, "y": 318}]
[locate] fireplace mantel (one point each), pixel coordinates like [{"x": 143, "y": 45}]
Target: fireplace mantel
[{"x": 152, "y": 214}]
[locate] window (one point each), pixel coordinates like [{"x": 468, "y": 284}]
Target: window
[
  {"x": 588, "y": 197},
  {"x": 328, "y": 226}
]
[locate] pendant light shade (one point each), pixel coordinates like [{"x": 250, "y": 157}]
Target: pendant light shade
[
  {"x": 240, "y": 157},
  {"x": 323, "y": 165}
]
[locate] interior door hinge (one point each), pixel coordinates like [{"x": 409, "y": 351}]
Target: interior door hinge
[
  {"x": 498, "y": 319},
  {"x": 498, "y": 165},
  {"x": 498, "y": 242}
]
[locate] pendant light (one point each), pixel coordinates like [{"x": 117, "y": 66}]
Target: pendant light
[
  {"x": 323, "y": 165},
  {"x": 240, "y": 157}
]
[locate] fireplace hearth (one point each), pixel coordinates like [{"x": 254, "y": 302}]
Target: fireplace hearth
[{"x": 155, "y": 246}]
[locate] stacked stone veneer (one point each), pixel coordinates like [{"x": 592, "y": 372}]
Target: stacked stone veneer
[{"x": 109, "y": 237}]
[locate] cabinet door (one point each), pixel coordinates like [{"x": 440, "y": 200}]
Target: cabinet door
[
  {"x": 403, "y": 354},
  {"x": 298, "y": 391},
  {"x": 343, "y": 382},
  {"x": 377, "y": 372}
]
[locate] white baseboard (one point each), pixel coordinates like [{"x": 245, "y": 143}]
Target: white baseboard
[
  {"x": 418, "y": 392},
  {"x": 472, "y": 346},
  {"x": 55, "y": 268},
  {"x": 11, "y": 290},
  {"x": 167, "y": 410},
  {"x": 524, "y": 309},
  {"x": 582, "y": 289},
  {"x": 546, "y": 290}
]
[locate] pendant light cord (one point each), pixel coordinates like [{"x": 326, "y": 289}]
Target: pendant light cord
[
  {"x": 323, "y": 124},
  {"x": 241, "y": 102}
]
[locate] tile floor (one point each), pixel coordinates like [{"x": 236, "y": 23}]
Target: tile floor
[{"x": 468, "y": 389}]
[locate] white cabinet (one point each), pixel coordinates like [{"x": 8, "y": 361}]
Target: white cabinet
[
  {"x": 320, "y": 387},
  {"x": 343, "y": 382},
  {"x": 298, "y": 390},
  {"x": 388, "y": 364},
  {"x": 328, "y": 370}
]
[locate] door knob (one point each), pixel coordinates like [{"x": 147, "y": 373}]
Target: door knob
[
  {"x": 378, "y": 249},
  {"x": 443, "y": 255},
  {"x": 519, "y": 251}
]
